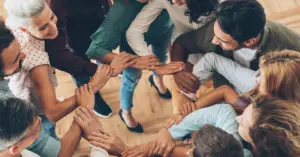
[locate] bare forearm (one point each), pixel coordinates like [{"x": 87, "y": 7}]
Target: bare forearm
[
  {"x": 180, "y": 151},
  {"x": 70, "y": 141},
  {"x": 59, "y": 110},
  {"x": 222, "y": 93},
  {"x": 178, "y": 53}
]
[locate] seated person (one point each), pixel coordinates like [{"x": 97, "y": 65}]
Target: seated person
[
  {"x": 32, "y": 22},
  {"x": 20, "y": 126},
  {"x": 242, "y": 34},
  {"x": 11, "y": 58},
  {"x": 271, "y": 126},
  {"x": 216, "y": 138},
  {"x": 279, "y": 77},
  {"x": 217, "y": 143}
]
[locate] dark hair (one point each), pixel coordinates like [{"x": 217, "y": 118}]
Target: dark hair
[
  {"x": 198, "y": 8},
  {"x": 276, "y": 128},
  {"x": 211, "y": 141},
  {"x": 16, "y": 116},
  {"x": 6, "y": 38},
  {"x": 242, "y": 19}
]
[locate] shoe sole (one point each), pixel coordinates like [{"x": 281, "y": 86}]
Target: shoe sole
[{"x": 102, "y": 116}]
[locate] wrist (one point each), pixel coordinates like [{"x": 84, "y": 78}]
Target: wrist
[
  {"x": 75, "y": 126},
  {"x": 123, "y": 149}
]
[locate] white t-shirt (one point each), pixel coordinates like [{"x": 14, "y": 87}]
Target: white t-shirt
[
  {"x": 27, "y": 153},
  {"x": 142, "y": 22},
  {"x": 244, "y": 56},
  {"x": 20, "y": 83}
]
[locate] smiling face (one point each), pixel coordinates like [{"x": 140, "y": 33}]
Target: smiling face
[
  {"x": 224, "y": 40},
  {"x": 43, "y": 26},
  {"x": 11, "y": 59},
  {"x": 246, "y": 121}
]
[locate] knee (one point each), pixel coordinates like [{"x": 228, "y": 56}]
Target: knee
[
  {"x": 210, "y": 56},
  {"x": 131, "y": 78}
]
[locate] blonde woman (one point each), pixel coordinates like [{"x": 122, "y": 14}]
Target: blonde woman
[
  {"x": 279, "y": 77},
  {"x": 271, "y": 127}
]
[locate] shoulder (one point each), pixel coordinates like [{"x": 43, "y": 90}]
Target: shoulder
[
  {"x": 281, "y": 37},
  {"x": 22, "y": 37},
  {"x": 35, "y": 55}
]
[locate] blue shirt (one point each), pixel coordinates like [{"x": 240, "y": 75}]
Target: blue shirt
[{"x": 220, "y": 115}]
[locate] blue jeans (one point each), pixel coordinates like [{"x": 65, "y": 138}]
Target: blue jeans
[
  {"x": 47, "y": 144},
  {"x": 131, "y": 76}
]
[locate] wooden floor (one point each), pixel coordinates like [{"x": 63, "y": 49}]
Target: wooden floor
[{"x": 149, "y": 109}]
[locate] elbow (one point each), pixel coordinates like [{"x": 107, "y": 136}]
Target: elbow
[
  {"x": 225, "y": 87},
  {"x": 129, "y": 35}
]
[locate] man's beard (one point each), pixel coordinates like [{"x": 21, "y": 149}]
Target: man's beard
[{"x": 235, "y": 49}]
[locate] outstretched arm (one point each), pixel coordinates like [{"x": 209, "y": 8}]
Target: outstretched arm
[{"x": 224, "y": 92}]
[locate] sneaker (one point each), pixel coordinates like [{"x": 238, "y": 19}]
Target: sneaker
[{"x": 101, "y": 109}]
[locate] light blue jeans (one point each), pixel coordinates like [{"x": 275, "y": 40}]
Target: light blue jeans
[
  {"x": 131, "y": 76},
  {"x": 243, "y": 79},
  {"x": 47, "y": 144}
]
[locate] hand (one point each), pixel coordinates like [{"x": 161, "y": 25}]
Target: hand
[
  {"x": 187, "y": 81},
  {"x": 164, "y": 144},
  {"x": 85, "y": 96},
  {"x": 146, "y": 62},
  {"x": 137, "y": 151},
  {"x": 187, "y": 108},
  {"x": 122, "y": 61},
  {"x": 87, "y": 121},
  {"x": 101, "y": 77},
  {"x": 112, "y": 144},
  {"x": 170, "y": 68},
  {"x": 174, "y": 120}
]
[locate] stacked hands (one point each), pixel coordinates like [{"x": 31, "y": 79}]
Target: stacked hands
[
  {"x": 93, "y": 131},
  {"x": 91, "y": 127},
  {"x": 124, "y": 60}
]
